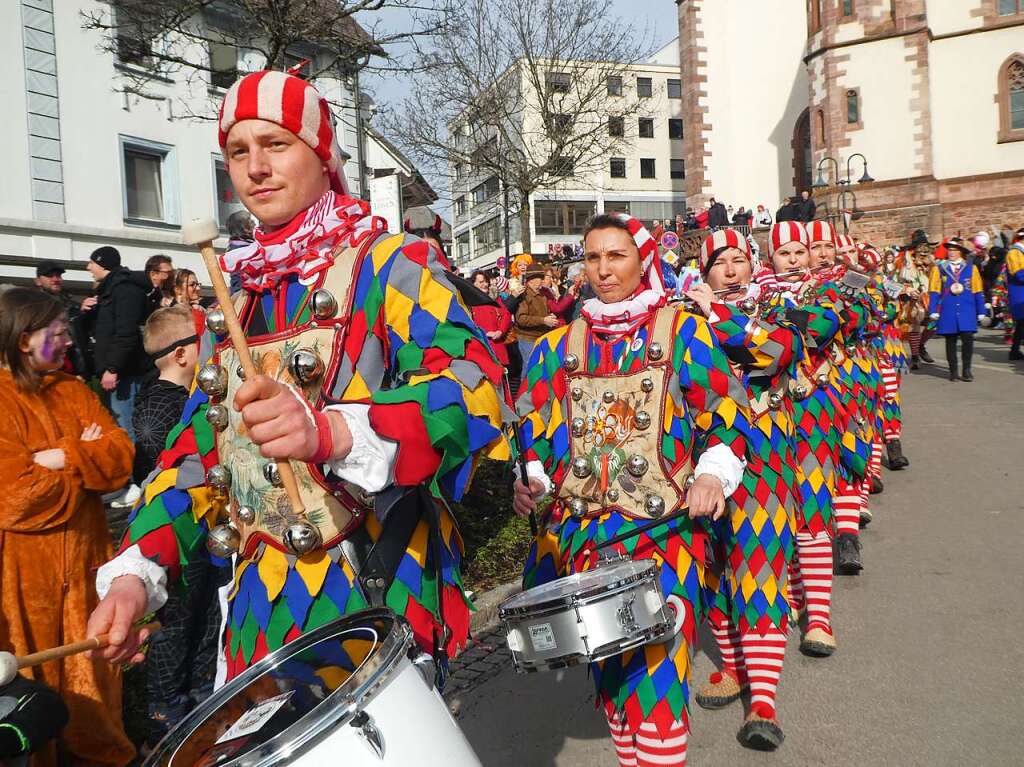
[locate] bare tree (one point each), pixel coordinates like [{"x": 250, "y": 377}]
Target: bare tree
[
  {"x": 209, "y": 43},
  {"x": 520, "y": 90}
]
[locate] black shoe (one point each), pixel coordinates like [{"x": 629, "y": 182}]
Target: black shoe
[
  {"x": 952, "y": 374},
  {"x": 926, "y": 357},
  {"x": 915, "y": 362},
  {"x": 848, "y": 555},
  {"x": 760, "y": 734},
  {"x": 894, "y": 452},
  {"x": 876, "y": 486},
  {"x": 967, "y": 376},
  {"x": 1016, "y": 354}
]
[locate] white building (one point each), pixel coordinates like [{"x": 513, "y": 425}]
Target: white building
[
  {"x": 87, "y": 164},
  {"x": 645, "y": 177}
]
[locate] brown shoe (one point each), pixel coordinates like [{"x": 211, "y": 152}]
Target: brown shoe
[
  {"x": 818, "y": 643},
  {"x": 721, "y": 690}
]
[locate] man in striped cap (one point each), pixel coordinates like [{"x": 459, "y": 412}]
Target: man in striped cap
[{"x": 374, "y": 383}]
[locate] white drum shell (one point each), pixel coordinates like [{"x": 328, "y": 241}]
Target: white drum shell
[{"x": 415, "y": 728}]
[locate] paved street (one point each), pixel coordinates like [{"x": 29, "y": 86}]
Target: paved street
[{"x": 929, "y": 669}]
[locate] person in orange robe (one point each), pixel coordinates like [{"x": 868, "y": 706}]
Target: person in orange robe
[{"x": 59, "y": 451}]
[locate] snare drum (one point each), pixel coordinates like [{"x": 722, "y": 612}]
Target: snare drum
[
  {"x": 356, "y": 692},
  {"x": 588, "y": 616}
]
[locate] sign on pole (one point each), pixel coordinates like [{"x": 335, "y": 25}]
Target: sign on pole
[{"x": 386, "y": 200}]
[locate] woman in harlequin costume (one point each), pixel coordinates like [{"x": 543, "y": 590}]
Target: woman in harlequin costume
[
  {"x": 956, "y": 301},
  {"x": 913, "y": 316},
  {"x": 615, "y": 407},
  {"x": 375, "y": 383},
  {"x": 818, "y": 414},
  {"x": 749, "y": 612}
]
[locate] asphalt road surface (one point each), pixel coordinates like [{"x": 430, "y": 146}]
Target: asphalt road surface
[{"x": 929, "y": 669}]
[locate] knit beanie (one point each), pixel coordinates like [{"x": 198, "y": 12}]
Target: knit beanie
[
  {"x": 107, "y": 257},
  {"x": 820, "y": 231},
  {"x": 717, "y": 242},
  {"x": 292, "y": 103},
  {"x": 784, "y": 233}
]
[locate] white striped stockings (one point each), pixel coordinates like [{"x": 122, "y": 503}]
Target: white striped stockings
[
  {"x": 647, "y": 748},
  {"x": 815, "y": 555}
]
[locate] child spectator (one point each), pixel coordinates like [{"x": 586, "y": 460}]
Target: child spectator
[{"x": 181, "y": 662}]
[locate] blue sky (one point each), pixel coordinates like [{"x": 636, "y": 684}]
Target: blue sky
[{"x": 658, "y": 18}]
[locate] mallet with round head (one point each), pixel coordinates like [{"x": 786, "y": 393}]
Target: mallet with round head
[
  {"x": 202, "y": 232},
  {"x": 11, "y": 664}
]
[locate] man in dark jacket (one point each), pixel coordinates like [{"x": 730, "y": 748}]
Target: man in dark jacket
[
  {"x": 120, "y": 312},
  {"x": 807, "y": 207},
  {"x": 158, "y": 281},
  {"x": 787, "y": 211},
  {"x": 50, "y": 279},
  {"x": 718, "y": 216}
]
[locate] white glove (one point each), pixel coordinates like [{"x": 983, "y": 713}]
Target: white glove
[
  {"x": 982, "y": 317},
  {"x": 934, "y": 316}
]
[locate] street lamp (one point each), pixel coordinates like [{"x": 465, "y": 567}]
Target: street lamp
[
  {"x": 820, "y": 182},
  {"x": 866, "y": 177}
]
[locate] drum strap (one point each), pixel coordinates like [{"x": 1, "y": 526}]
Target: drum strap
[{"x": 375, "y": 564}]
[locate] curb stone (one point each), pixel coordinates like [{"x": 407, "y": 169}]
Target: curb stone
[{"x": 486, "y": 616}]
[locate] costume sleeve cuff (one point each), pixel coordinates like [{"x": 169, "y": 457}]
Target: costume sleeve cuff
[
  {"x": 721, "y": 463},
  {"x": 132, "y": 562},
  {"x": 535, "y": 470},
  {"x": 371, "y": 462}
]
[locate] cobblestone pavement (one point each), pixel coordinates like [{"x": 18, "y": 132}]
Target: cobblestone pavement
[{"x": 482, "y": 660}]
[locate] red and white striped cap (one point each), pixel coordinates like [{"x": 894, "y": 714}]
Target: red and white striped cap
[
  {"x": 292, "y": 103},
  {"x": 820, "y": 231},
  {"x": 845, "y": 241},
  {"x": 868, "y": 257},
  {"x": 784, "y": 233},
  {"x": 719, "y": 240}
]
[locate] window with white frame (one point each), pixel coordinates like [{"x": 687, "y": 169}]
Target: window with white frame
[
  {"x": 223, "y": 64},
  {"x": 227, "y": 200},
  {"x": 148, "y": 182},
  {"x": 134, "y": 45}
]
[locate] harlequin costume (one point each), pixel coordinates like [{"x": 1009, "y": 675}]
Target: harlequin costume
[
  {"x": 355, "y": 320},
  {"x": 956, "y": 299},
  {"x": 913, "y": 316},
  {"x": 53, "y": 535},
  {"x": 1013, "y": 272},
  {"x": 749, "y": 603},
  {"x": 618, "y": 408}
]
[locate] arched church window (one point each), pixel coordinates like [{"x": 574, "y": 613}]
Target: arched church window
[{"x": 1011, "y": 99}]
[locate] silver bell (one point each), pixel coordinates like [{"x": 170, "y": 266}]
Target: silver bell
[
  {"x": 577, "y": 394},
  {"x": 801, "y": 392},
  {"x": 212, "y": 380},
  {"x": 822, "y": 380},
  {"x": 747, "y": 305},
  {"x": 642, "y": 419},
  {"x": 654, "y": 505},
  {"x": 571, "y": 362},
  {"x": 612, "y": 495},
  {"x": 240, "y": 372},
  {"x": 655, "y": 352},
  {"x": 324, "y": 304},
  {"x": 302, "y": 538},
  {"x": 219, "y": 477},
  {"x": 272, "y": 474},
  {"x": 647, "y": 385},
  {"x": 688, "y": 482},
  {"x": 580, "y": 467},
  {"x": 246, "y": 515},
  {"x": 774, "y": 400},
  {"x": 608, "y": 396},
  {"x": 578, "y": 507},
  {"x": 223, "y": 541},
  {"x": 578, "y": 427},
  {"x": 217, "y": 417},
  {"x": 215, "y": 322},
  {"x": 305, "y": 366},
  {"x": 637, "y": 465}
]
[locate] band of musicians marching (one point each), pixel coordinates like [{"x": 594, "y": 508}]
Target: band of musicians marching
[{"x": 689, "y": 452}]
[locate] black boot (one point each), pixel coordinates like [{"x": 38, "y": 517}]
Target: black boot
[
  {"x": 925, "y": 356},
  {"x": 848, "y": 554},
  {"x": 876, "y": 485},
  {"x": 894, "y": 451},
  {"x": 915, "y": 362},
  {"x": 967, "y": 341}
]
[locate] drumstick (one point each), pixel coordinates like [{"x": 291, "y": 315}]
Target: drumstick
[
  {"x": 201, "y": 233},
  {"x": 680, "y": 512},
  {"x": 520, "y": 457},
  {"x": 11, "y": 664}
]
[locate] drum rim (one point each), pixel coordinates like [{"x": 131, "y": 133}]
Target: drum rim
[
  {"x": 334, "y": 712},
  {"x": 582, "y": 596}
]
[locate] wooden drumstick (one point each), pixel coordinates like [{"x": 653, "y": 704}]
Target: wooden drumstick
[
  {"x": 201, "y": 233},
  {"x": 11, "y": 664}
]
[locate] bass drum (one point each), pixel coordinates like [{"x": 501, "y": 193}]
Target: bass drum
[{"x": 356, "y": 692}]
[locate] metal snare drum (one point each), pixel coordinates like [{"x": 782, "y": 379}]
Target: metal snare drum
[
  {"x": 356, "y": 692},
  {"x": 588, "y": 616}
]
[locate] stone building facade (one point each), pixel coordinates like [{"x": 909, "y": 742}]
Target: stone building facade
[{"x": 930, "y": 92}]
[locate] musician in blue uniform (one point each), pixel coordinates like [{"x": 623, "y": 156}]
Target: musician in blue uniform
[{"x": 956, "y": 299}]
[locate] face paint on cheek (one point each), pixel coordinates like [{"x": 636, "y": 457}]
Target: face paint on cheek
[{"x": 52, "y": 347}]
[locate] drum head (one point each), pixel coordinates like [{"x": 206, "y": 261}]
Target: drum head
[
  {"x": 604, "y": 577},
  {"x": 293, "y": 698}
]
